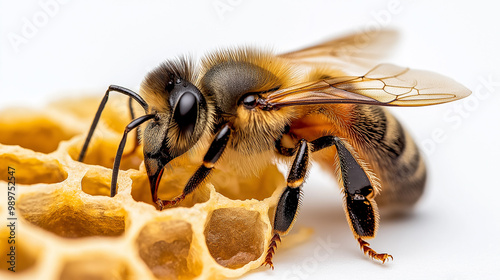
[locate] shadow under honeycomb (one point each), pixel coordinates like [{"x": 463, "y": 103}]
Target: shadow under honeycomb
[
  {"x": 65, "y": 213},
  {"x": 165, "y": 247}
]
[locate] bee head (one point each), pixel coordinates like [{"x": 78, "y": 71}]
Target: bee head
[{"x": 182, "y": 113}]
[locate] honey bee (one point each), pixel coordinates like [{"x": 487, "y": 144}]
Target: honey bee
[{"x": 245, "y": 108}]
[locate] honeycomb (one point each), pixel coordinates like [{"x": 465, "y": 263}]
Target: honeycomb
[{"x": 68, "y": 227}]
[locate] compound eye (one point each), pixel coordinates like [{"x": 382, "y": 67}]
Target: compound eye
[
  {"x": 250, "y": 101},
  {"x": 186, "y": 112}
]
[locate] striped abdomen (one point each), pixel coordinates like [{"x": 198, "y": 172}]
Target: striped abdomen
[{"x": 392, "y": 153}]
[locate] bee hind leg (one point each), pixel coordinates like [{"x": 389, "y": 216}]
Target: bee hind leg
[
  {"x": 365, "y": 247},
  {"x": 361, "y": 215},
  {"x": 359, "y": 203}
]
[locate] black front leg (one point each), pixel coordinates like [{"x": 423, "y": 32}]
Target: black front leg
[{"x": 213, "y": 154}]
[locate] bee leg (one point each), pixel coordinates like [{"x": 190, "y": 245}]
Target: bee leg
[
  {"x": 288, "y": 205},
  {"x": 116, "y": 165},
  {"x": 97, "y": 116},
  {"x": 359, "y": 203},
  {"x": 137, "y": 131},
  {"x": 213, "y": 154}
]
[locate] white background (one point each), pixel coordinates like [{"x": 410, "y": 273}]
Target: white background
[{"x": 454, "y": 231}]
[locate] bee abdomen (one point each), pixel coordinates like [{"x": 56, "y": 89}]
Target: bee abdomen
[{"x": 393, "y": 155}]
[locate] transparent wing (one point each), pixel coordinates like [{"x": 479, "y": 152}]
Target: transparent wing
[
  {"x": 361, "y": 49},
  {"x": 386, "y": 84}
]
